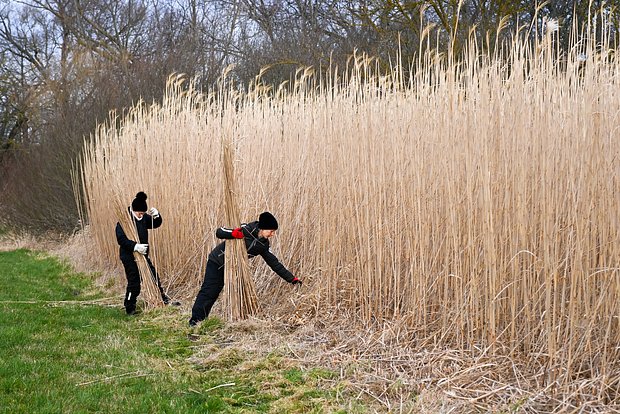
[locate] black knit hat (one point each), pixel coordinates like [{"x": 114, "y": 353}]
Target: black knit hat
[
  {"x": 266, "y": 221},
  {"x": 139, "y": 203}
]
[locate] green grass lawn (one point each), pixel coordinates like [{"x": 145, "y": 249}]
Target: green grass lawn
[{"x": 63, "y": 352}]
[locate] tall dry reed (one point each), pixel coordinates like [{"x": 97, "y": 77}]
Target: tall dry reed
[
  {"x": 239, "y": 300},
  {"x": 474, "y": 200}
]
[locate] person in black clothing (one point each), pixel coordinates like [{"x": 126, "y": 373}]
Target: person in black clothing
[
  {"x": 144, "y": 222},
  {"x": 255, "y": 235}
]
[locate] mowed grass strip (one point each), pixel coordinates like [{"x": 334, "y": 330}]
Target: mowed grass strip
[{"x": 62, "y": 352}]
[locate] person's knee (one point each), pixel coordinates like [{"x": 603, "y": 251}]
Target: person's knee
[
  {"x": 214, "y": 291},
  {"x": 134, "y": 288}
]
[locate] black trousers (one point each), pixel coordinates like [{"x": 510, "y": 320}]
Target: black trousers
[
  {"x": 212, "y": 285},
  {"x": 133, "y": 281}
]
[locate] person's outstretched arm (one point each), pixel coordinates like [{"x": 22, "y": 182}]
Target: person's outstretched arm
[
  {"x": 229, "y": 234},
  {"x": 275, "y": 265}
]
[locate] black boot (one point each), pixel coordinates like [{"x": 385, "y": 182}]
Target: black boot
[
  {"x": 168, "y": 301},
  {"x": 130, "y": 308}
]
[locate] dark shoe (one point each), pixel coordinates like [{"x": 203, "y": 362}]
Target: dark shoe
[
  {"x": 168, "y": 301},
  {"x": 130, "y": 308},
  {"x": 192, "y": 323}
]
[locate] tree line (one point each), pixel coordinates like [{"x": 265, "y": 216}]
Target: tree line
[{"x": 65, "y": 64}]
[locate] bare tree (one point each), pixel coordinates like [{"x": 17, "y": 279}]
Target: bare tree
[{"x": 67, "y": 63}]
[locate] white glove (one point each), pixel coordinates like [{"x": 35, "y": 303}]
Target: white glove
[
  {"x": 141, "y": 248},
  {"x": 154, "y": 212}
]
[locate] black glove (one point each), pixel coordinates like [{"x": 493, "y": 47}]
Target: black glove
[{"x": 296, "y": 281}]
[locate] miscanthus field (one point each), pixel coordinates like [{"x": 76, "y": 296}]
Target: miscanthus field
[{"x": 455, "y": 221}]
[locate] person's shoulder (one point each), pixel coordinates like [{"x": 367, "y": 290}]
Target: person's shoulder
[{"x": 251, "y": 226}]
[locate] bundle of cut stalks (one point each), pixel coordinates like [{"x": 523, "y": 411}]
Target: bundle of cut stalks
[
  {"x": 239, "y": 292},
  {"x": 149, "y": 291}
]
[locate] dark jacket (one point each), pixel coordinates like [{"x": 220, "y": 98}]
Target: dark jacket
[
  {"x": 143, "y": 226},
  {"x": 255, "y": 246}
]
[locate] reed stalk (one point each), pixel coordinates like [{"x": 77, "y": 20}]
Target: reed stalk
[
  {"x": 474, "y": 200},
  {"x": 239, "y": 299}
]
